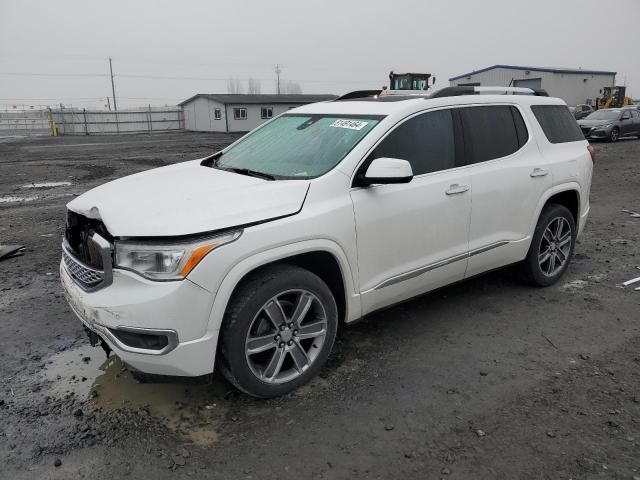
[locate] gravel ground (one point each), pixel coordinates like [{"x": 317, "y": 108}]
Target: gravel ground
[{"x": 485, "y": 379}]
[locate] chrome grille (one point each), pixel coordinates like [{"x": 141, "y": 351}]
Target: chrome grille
[{"x": 85, "y": 275}]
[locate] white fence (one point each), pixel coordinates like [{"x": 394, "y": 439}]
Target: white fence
[
  {"x": 20, "y": 120},
  {"x": 99, "y": 122}
]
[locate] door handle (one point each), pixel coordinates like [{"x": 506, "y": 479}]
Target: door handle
[
  {"x": 539, "y": 172},
  {"x": 454, "y": 189}
]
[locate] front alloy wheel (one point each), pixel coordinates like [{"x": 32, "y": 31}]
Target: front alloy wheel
[
  {"x": 614, "y": 135},
  {"x": 286, "y": 336},
  {"x": 278, "y": 331}
]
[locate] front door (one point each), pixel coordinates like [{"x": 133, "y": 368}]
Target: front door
[{"x": 412, "y": 237}]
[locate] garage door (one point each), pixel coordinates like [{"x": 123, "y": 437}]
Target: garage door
[{"x": 528, "y": 83}]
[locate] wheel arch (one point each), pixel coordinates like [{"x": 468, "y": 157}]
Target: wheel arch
[
  {"x": 568, "y": 194},
  {"x": 325, "y": 258}
]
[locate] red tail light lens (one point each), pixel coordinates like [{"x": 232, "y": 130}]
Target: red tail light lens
[{"x": 592, "y": 152}]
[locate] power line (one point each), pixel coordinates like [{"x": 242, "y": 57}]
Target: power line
[
  {"x": 167, "y": 77},
  {"x": 34, "y": 74}
]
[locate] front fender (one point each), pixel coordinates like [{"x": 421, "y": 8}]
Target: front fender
[{"x": 247, "y": 265}]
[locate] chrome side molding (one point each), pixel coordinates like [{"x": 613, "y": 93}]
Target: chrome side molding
[{"x": 441, "y": 263}]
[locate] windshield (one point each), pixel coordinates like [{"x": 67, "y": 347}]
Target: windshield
[
  {"x": 604, "y": 115},
  {"x": 297, "y": 146}
]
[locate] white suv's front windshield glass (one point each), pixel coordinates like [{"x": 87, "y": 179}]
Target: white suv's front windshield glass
[{"x": 298, "y": 146}]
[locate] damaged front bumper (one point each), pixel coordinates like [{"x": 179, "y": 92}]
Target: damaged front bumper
[{"x": 155, "y": 327}]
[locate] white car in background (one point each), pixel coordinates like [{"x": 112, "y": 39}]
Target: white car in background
[{"x": 250, "y": 260}]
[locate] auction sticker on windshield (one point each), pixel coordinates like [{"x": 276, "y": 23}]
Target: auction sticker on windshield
[{"x": 350, "y": 124}]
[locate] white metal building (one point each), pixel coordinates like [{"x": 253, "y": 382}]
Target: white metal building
[
  {"x": 239, "y": 112},
  {"x": 574, "y": 86}
]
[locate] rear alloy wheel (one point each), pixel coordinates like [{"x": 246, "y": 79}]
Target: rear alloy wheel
[
  {"x": 555, "y": 246},
  {"x": 614, "y": 135},
  {"x": 278, "y": 331},
  {"x": 551, "y": 247}
]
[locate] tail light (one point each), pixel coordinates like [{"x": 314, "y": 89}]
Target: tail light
[{"x": 592, "y": 152}]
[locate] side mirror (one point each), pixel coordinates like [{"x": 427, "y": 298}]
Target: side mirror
[{"x": 387, "y": 170}]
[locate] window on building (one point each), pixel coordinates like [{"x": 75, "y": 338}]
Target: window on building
[
  {"x": 557, "y": 123},
  {"x": 425, "y": 141},
  {"x": 266, "y": 112},
  {"x": 492, "y": 131},
  {"x": 240, "y": 113},
  {"x": 217, "y": 114}
]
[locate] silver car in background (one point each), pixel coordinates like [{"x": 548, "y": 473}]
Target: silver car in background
[{"x": 611, "y": 124}]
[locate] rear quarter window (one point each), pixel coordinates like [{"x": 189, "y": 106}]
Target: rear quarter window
[{"x": 557, "y": 122}]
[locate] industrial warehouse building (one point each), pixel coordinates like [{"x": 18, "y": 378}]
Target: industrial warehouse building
[
  {"x": 239, "y": 112},
  {"x": 573, "y": 86}
]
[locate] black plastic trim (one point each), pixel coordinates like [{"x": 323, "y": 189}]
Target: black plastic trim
[{"x": 366, "y": 181}]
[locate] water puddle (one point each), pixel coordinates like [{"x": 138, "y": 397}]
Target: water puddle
[
  {"x": 47, "y": 185},
  {"x": 31, "y": 198},
  {"x": 575, "y": 285},
  {"x": 194, "y": 411},
  {"x": 17, "y": 199}
]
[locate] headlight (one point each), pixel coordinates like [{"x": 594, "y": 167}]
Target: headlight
[
  {"x": 167, "y": 261},
  {"x": 602, "y": 127}
]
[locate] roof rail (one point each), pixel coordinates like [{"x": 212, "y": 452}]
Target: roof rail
[
  {"x": 358, "y": 94},
  {"x": 468, "y": 90}
]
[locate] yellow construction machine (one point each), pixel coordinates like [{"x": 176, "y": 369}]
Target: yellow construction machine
[
  {"x": 613, "y": 97},
  {"x": 410, "y": 81}
]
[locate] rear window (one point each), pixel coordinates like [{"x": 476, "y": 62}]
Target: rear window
[
  {"x": 493, "y": 131},
  {"x": 558, "y": 124}
]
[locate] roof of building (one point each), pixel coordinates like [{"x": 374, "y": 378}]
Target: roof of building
[
  {"x": 536, "y": 69},
  {"x": 251, "y": 98}
]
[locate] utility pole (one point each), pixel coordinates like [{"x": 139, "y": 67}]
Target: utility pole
[
  {"x": 113, "y": 87},
  {"x": 278, "y": 70}
]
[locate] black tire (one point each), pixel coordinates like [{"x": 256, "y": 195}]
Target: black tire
[
  {"x": 614, "y": 135},
  {"x": 532, "y": 272},
  {"x": 247, "y": 302}
]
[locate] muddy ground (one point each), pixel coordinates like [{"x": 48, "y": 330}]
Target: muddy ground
[{"x": 485, "y": 379}]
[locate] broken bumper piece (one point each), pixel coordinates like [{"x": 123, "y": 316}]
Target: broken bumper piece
[{"x": 143, "y": 322}]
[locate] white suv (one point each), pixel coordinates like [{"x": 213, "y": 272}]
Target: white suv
[{"x": 251, "y": 259}]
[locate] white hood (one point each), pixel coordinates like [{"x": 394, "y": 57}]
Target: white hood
[{"x": 187, "y": 198}]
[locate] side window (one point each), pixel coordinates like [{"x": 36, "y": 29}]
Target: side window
[
  {"x": 492, "y": 131},
  {"x": 557, "y": 123},
  {"x": 426, "y": 141},
  {"x": 239, "y": 113}
]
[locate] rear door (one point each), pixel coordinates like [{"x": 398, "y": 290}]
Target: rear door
[{"x": 508, "y": 177}]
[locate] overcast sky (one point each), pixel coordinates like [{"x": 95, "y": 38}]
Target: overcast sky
[{"x": 166, "y": 51}]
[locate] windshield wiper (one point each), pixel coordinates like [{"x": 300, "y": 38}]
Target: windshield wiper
[{"x": 251, "y": 173}]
